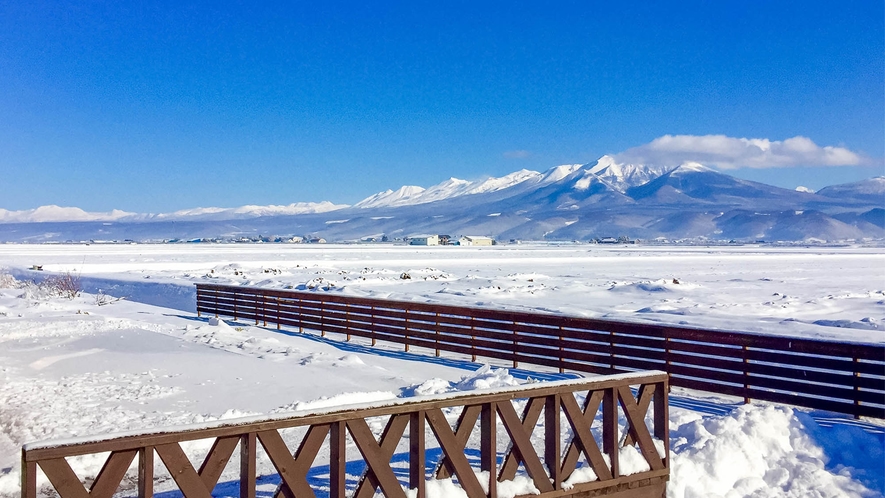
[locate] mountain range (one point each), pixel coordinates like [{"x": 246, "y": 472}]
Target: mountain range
[{"x": 570, "y": 202}]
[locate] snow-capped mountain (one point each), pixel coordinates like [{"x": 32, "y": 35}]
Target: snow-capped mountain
[
  {"x": 50, "y": 213},
  {"x": 872, "y": 189},
  {"x": 246, "y": 212},
  {"x": 695, "y": 183},
  {"x": 453, "y": 187},
  {"x": 573, "y": 202},
  {"x": 623, "y": 176}
]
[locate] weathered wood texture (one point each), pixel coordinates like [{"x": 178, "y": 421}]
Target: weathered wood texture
[
  {"x": 836, "y": 376},
  {"x": 570, "y": 409}
]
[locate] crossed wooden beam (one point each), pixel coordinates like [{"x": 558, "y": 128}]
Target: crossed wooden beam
[{"x": 548, "y": 468}]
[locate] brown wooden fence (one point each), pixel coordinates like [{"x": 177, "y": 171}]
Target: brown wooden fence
[
  {"x": 569, "y": 408},
  {"x": 836, "y": 376}
]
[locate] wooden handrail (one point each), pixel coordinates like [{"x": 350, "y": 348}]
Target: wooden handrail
[
  {"x": 549, "y": 466},
  {"x": 839, "y": 376}
]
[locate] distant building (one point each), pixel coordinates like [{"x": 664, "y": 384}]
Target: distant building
[
  {"x": 475, "y": 240},
  {"x": 424, "y": 240},
  {"x": 317, "y": 240},
  {"x": 445, "y": 240}
]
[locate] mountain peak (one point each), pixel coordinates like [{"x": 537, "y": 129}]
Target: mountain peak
[
  {"x": 559, "y": 172},
  {"x": 622, "y": 176},
  {"x": 692, "y": 167},
  {"x": 398, "y": 197}
]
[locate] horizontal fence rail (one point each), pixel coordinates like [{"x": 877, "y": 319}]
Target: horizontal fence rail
[
  {"x": 828, "y": 375},
  {"x": 571, "y": 437}
]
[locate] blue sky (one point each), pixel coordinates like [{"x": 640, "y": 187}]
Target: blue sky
[{"x": 152, "y": 108}]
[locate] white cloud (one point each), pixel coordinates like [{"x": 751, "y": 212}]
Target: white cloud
[{"x": 732, "y": 153}]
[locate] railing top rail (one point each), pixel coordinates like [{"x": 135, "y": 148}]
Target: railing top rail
[
  {"x": 141, "y": 438},
  {"x": 863, "y": 350}
]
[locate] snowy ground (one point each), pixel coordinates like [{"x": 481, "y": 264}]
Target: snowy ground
[
  {"x": 73, "y": 367},
  {"x": 812, "y": 292}
]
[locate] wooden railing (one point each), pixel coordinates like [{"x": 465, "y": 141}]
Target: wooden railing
[
  {"x": 836, "y": 376},
  {"x": 569, "y": 439}
]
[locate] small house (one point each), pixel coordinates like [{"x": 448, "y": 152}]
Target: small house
[
  {"x": 475, "y": 240},
  {"x": 424, "y": 240}
]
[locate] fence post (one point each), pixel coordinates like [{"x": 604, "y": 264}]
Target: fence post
[
  {"x": 855, "y": 360},
  {"x": 406, "y": 331},
  {"x": 322, "y": 319},
  {"x": 437, "y": 333},
  {"x": 146, "y": 472},
  {"x": 488, "y": 446},
  {"x": 300, "y": 316},
  {"x": 746, "y": 375},
  {"x": 373, "y": 326},
  {"x": 472, "y": 339},
  {"x": 417, "y": 455},
  {"x": 610, "y": 437},
  {"x": 515, "y": 345},
  {"x": 248, "y": 449},
  {"x": 552, "y": 439},
  {"x": 561, "y": 352},
  {"x": 337, "y": 459},
  {"x": 278, "y": 313},
  {"x": 662, "y": 416},
  {"x": 611, "y": 350},
  {"x": 29, "y": 478},
  {"x": 347, "y": 319},
  {"x": 264, "y": 308}
]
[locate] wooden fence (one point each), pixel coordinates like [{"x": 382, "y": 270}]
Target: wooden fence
[
  {"x": 836, "y": 376},
  {"x": 569, "y": 407}
]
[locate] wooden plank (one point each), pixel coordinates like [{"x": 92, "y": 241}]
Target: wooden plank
[
  {"x": 463, "y": 427},
  {"x": 216, "y": 460},
  {"x": 583, "y": 441},
  {"x": 662, "y": 418},
  {"x": 417, "y": 454},
  {"x": 146, "y": 472},
  {"x": 610, "y": 429},
  {"x": 248, "y": 463},
  {"x": 182, "y": 471},
  {"x": 454, "y": 453},
  {"x": 108, "y": 479},
  {"x": 552, "y": 439},
  {"x": 293, "y": 471},
  {"x": 528, "y": 421},
  {"x": 377, "y": 456},
  {"x": 63, "y": 478},
  {"x": 337, "y": 459},
  {"x": 646, "y": 392},
  {"x": 488, "y": 446},
  {"x": 150, "y": 438},
  {"x": 637, "y": 428},
  {"x": 522, "y": 445}
]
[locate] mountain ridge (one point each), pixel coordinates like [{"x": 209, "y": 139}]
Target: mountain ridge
[{"x": 574, "y": 201}]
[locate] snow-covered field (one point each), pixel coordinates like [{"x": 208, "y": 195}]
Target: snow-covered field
[{"x": 93, "y": 365}]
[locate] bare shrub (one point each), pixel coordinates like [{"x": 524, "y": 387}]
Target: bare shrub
[
  {"x": 66, "y": 285},
  {"x": 102, "y": 299},
  {"x": 7, "y": 281}
]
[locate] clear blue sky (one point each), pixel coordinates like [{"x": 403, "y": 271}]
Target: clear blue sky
[{"x": 157, "y": 106}]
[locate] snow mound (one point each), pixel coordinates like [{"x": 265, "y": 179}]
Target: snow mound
[
  {"x": 338, "y": 400},
  {"x": 485, "y": 377},
  {"x": 756, "y": 450}
]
